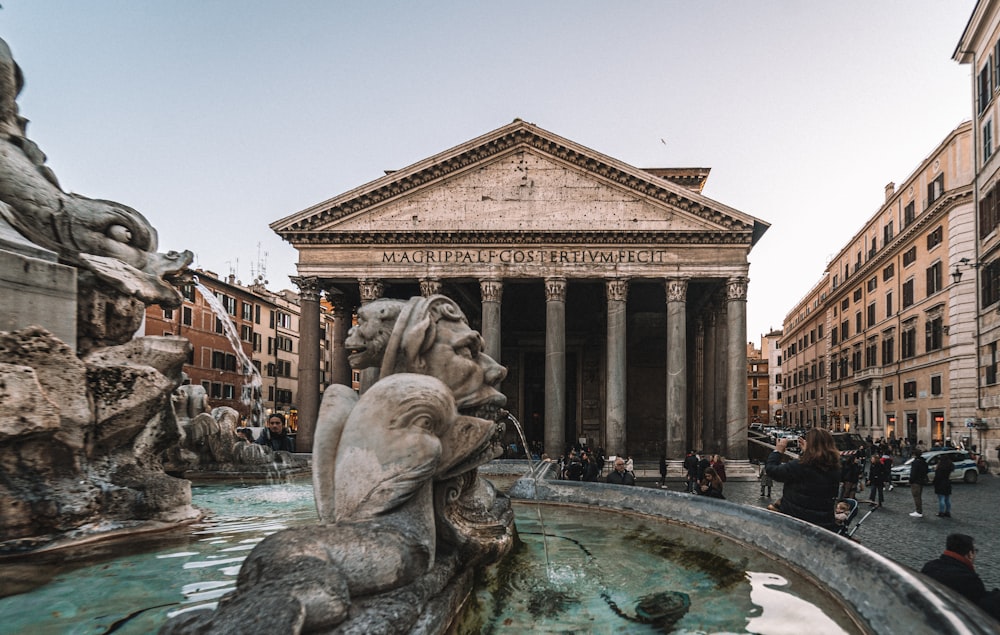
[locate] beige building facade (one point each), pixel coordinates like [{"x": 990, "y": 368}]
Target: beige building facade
[
  {"x": 979, "y": 47},
  {"x": 615, "y": 296},
  {"x": 884, "y": 344}
]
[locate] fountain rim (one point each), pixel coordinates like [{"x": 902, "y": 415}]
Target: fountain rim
[{"x": 846, "y": 570}]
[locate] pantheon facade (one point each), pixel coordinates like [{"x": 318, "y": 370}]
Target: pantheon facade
[{"x": 614, "y": 295}]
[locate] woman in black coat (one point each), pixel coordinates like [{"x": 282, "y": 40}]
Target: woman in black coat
[
  {"x": 811, "y": 481},
  {"x": 942, "y": 485}
]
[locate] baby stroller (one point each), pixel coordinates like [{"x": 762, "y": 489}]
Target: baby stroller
[{"x": 847, "y": 529}]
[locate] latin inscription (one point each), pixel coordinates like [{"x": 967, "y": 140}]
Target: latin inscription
[{"x": 524, "y": 256}]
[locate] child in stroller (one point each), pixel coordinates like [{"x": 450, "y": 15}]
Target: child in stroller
[{"x": 845, "y": 512}]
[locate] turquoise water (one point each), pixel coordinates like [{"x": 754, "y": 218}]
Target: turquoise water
[
  {"x": 135, "y": 593},
  {"x": 579, "y": 570}
]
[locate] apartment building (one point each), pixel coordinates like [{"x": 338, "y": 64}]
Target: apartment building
[
  {"x": 979, "y": 47},
  {"x": 266, "y": 333},
  {"x": 770, "y": 345},
  {"x": 884, "y": 344},
  {"x": 757, "y": 385}
]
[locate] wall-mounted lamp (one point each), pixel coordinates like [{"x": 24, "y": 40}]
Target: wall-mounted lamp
[
  {"x": 956, "y": 274},
  {"x": 946, "y": 328}
]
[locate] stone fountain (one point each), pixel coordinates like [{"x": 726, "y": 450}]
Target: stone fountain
[
  {"x": 86, "y": 407},
  {"x": 404, "y": 518}
]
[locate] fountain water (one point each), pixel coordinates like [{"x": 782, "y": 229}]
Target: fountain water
[
  {"x": 524, "y": 439},
  {"x": 252, "y": 391}
]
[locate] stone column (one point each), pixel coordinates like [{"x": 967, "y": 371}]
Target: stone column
[
  {"x": 736, "y": 366},
  {"x": 370, "y": 290},
  {"x": 676, "y": 366},
  {"x": 308, "y": 384},
  {"x": 719, "y": 434},
  {"x": 698, "y": 375},
  {"x": 340, "y": 371},
  {"x": 492, "y": 293},
  {"x": 430, "y": 286},
  {"x": 616, "y": 413},
  {"x": 555, "y": 365}
]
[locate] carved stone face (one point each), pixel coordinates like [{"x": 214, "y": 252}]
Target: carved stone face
[
  {"x": 367, "y": 340},
  {"x": 456, "y": 357}
]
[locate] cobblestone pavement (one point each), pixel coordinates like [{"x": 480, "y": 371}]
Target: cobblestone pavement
[{"x": 891, "y": 532}]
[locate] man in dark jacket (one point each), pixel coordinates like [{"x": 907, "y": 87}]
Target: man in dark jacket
[
  {"x": 619, "y": 476},
  {"x": 691, "y": 467},
  {"x": 274, "y": 435},
  {"x": 918, "y": 478},
  {"x": 956, "y": 569}
]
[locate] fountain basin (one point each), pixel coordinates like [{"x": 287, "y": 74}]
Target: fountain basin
[{"x": 885, "y": 596}]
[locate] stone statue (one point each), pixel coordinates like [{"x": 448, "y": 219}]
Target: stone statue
[
  {"x": 83, "y": 430},
  {"x": 403, "y": 511}
]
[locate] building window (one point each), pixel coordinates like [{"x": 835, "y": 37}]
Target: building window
[
  {"x": 833, "y": 336},
  {"x": 934, "y": 278},
  {"x": 988, "y": 217},
  {"x": 887, "y": 233},
  {"x": 935, "y": 189},
  {"x": 246, "y": 333},
  {"x": 990, "y": 283},
  {"x": 934, "y": 238},
  {"x": 987, "y": 141},
  {"x": 888, "y": 349},
  {"x": 228, "y": 391},
  {"x": 845, "y": 304},
  {"x": 909, "y": 213},
  {"x": 168, "y": 314},
  {"x": 873, "y": 284},
  {"x": 888, "y": 390},
  {"x": 216, "y": 392},
  {"x": 910, "y": 389},
  {"x": 857, "y": 294},
  {"x": 856, "y": 359},
  {"x": 186, "y": 316},
  {"x": 908, "y": 341},
  {"x": 188, "y": 292},
  {"x": 933, "y": 332},
  {"x": 889, "y": 272},
  {"x": 909, "y": 256},
  {"x": 984, "y": 94},
  {"x": 247, "y": 311},
  {"x": 871, "y": 353},
  {"x": 871, "y": 314},
  {"x": 219, "y": 328},
  {"x": 991, "y": 368},
  {"x": 908, "y": 293},
  {"x": 888, "y": 305},
  {"x": 844, "y": 330},
  {"x": 936, "y": 385}
]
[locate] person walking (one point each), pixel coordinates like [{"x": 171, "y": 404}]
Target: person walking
[
  {"x": 918, "y": 478},
  {"x": 663, "y": 470},
  {"x": 942, "y": 485},
  {"x": 876, "y": 481}
]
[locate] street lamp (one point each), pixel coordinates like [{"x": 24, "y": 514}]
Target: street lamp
[{"x": 956, "y": 273}]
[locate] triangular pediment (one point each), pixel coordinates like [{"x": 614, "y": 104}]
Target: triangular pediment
[{"x": 521, "y": 181}]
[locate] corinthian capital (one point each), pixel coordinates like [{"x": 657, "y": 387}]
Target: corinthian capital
[
  {"x": 308, "y": 288},
  {"x": 555, "y": 289},
  {"x": 617, "y": 289},
  {"x": 677, "y": 289},
  {"x": 370, "y": 290},
  {"x": 491, "y": 290},
  {"x": 736, "y": 289},
  {"x": 430, "y": 286}
]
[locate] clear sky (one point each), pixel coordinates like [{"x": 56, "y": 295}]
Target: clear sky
[{"x": 215, "y": 118}]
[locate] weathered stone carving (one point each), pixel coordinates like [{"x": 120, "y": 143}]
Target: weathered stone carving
[
  {"x": 82, "y": 433},
  {"x": 402, "y": 508}
]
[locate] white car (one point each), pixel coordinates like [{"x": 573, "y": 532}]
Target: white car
[{"x": 965, "y": 466}]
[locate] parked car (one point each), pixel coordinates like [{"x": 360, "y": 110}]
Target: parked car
[
  {"x": 757, "y": 427},
  {"x": 965, "y": 466}
]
